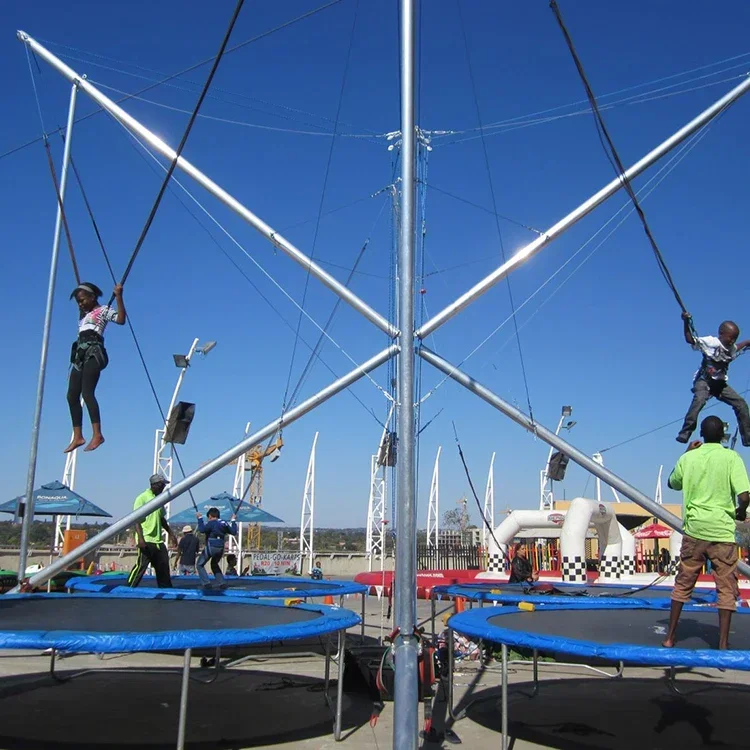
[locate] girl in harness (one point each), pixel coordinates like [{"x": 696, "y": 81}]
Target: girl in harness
[{"x": 88, "y": 358}]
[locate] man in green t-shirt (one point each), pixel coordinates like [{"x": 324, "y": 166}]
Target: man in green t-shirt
[
  {"x": 710, "y": 477},
  {"x": 151, "y": 548}
]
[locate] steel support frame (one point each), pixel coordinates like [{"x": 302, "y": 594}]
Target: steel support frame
[
  {"x": 549, "y": 437},
  {"x": 307, "y": 518},
  {"x": 433, "y": 508},
  {"x": 229, "y": 200},
  {"x": 28, "y": 503},
  {"x": 583, "y": 210},
  {"x": 406, "y": 641},
  {"x": 214, "y": 465}
]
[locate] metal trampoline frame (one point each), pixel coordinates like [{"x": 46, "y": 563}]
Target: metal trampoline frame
[
  {"x": 506, "y": 662},
  {"x": 335, "y": 706}
]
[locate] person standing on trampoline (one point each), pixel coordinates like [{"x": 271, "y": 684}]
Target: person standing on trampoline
[
  {"x": 710, "y": 477},
  {"x": 151, "y": 548},
  {"x": 216, "y": 531}
]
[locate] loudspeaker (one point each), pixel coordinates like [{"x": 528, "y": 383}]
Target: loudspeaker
[
  {"x": 558, "y": 463},
  {"x": 388, "y": 450},
  {"x": 178, "y": 425}
]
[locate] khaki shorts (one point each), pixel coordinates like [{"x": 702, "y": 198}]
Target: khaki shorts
[{"x": 693, "y": 556}]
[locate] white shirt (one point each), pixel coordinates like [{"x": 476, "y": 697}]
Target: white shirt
[
  {"x": 97, "y": 319},
  {"x": 716, "y": 358}
]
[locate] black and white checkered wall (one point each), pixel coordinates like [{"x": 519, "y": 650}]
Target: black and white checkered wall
[
  {"x": 610, "y": 567},
  {"x": 574, "y": 569},
  {"x": 628, "y": 565},
  {"x": 495, "y": 562}
]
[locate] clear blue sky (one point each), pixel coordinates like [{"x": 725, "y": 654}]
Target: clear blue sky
[{"x": 609, "y": 342}]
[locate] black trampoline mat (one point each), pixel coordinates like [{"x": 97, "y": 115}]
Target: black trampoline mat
[
  {"x": 639, "y": 627},
  {"x": 244, "y": 584},
  {"x": 100, "y": 614}
]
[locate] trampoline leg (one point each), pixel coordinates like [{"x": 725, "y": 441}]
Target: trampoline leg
[
  {"x": 327, "y": 675},
  {"x": 450, "y": 673},
  {"x": 339, "y": 687},
  {"x": 184, "y": 700},
  {"x": 362, "y": 631},
  {"x": 432, "y": 614},
  {"x": 504, "y": 700},
  {"x": 536, "y": 674}
]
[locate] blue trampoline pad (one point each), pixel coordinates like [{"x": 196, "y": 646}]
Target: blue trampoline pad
[
  {"x": 632, "y": 635},
  {"x": 626, "y": 595},
  {"x": 254, "y": 587},
  {"x": 157, "y": 621}
]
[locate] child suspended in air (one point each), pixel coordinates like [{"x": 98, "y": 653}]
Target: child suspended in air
[
  {"x": 711, "y": 378},
  {"x": 88, "y": 358}
]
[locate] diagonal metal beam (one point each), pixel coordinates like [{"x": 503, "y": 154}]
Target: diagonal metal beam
[
  {"x": 584, "y": 461},
  {"x": 584, "y": 209},
  {"x": 214, "y": 465},
  {"x": 226, "y": 198}
]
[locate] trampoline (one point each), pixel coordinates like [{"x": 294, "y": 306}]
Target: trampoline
[
  {"x": 250, "y": 587},
  {"x": 596, "y": 630},
  {"x": 254, "y": 587},
  {"x": 160, "y": 620}
]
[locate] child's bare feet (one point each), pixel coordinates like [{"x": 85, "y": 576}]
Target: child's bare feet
[
  {"x": 76, "y": 442},
  {"x": 96, "y": 441},
  {"x": 669, "y": 643}
]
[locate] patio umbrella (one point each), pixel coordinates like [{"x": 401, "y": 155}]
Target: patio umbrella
[
  {"x": 226, "y": 504},
  {"x": 654, "y": 531},
  {"x": 55, "y": 499}
]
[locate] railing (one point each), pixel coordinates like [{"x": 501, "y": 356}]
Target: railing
[{"x": 449, "y": 557}]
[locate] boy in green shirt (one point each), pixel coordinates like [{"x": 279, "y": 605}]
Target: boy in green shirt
[
  {"x": 710, "y": 477},
  {"x": 151, "y": 548}
]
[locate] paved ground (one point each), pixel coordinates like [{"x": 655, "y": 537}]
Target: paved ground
[{"x": 278, "y": 703}]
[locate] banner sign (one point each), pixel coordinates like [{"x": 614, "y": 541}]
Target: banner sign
[{"x": 276, "y": 563}]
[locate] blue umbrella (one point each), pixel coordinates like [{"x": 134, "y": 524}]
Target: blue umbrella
[
  {"x": 226, "y": 505},
  {"x": 55, "y": 499}
]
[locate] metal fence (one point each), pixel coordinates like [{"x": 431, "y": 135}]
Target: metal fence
[{"x": 449, "y": 557}]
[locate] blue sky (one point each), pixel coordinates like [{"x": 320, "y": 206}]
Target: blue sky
[{"x": 608, "y": 342}]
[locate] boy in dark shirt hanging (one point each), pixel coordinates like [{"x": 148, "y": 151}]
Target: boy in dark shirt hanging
[
  {"x": 216, "y": 531},
  {"x": 712, "y": 376}
]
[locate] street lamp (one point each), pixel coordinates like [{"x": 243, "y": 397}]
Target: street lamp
[
  {"x": 163, "y": 455},
  {"x": 546, "y": 496}
]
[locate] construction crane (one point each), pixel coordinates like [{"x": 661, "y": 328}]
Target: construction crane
[{"x": 252, "y": 461}]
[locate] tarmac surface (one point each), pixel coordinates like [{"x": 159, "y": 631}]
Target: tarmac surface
[{"x": 276, "y": 701}]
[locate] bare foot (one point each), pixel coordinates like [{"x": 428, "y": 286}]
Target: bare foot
[
  {"x": 667, "y": 644},
  {"x": 75, "y": 443},
  {"x": 96, "y": 441}
]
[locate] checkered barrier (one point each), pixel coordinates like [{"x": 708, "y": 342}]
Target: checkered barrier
[
  {"x": 628, "y": 565},
  {"x": 574, "y": 569},
  {"x": 495, "y": 562},
  {"x": 610, "y": 567},
  {"x": 674, "y": 566}
]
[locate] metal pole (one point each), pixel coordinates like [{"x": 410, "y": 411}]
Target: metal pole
[
  {"x": 229, "y": 200},
  {"x": 659, "y": 511},
  {"x": 215, "y": 464},
  {"x": 585, "y": 208},
  {"x": 504, "y": 701},
  {"x": 182, "y": 721},
  {"x": 28, "y": 507},
  {"x": 405, "y": 723},
  {"x": 340, "y": 685}
]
